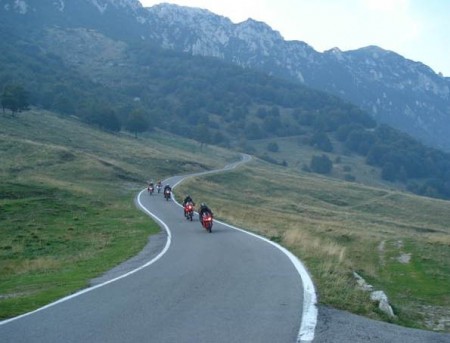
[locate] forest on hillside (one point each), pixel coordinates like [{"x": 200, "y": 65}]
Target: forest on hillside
[{"x": 212, "y": 102}]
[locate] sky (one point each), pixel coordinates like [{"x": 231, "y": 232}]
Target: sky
[{"x": 418, "y": 30}]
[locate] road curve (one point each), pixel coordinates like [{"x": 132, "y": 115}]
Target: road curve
[{"x": 228, "y": 286}]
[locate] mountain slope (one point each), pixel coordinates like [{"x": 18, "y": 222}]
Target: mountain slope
[
  {"x": 88, "y": 70},
  {"x": 405, "y": 94}
]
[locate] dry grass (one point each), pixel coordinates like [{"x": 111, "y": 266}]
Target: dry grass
[{"x": 336, "y": 228}]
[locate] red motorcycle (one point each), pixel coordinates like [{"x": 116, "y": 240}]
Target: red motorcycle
[
  {"x": 207, "y": 221},
  {"x": 189, "y": 210},
  {"x": 150, "y": 190}
]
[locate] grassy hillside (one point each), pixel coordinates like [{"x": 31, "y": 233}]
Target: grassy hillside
[
  {"x": 67, "y": 215},
  {"x": 66, "y": 202},
  {"x": 397, "y": 241},
  {"x": 204, "y": 99},
  {"x": 295, "y": 155}
]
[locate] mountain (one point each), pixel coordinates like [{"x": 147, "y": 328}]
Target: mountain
[
  {"x": 116, "y": 65},
  {"x": 402, "y": 93},
  {"x": 394, "y": 90},
  {"x": 109, "y": 46}
]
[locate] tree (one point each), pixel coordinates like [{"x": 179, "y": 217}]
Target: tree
[
  {"x": 102, "y": 116},
  {"x": 14, "y": 98},
  {"x": 273, "y": 147},
  {"x": 137, "y": 122},
  {"x": 321, "y": 164},
  {"x": 389, "y": 172},
  {"x": 321, "y": 141},
  {"x": 253, "y": 131},
  {"x": 360, "y": 141},
  {"x": 202, "y": 134}
]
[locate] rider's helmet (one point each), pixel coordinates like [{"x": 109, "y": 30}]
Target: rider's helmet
[{"x": 202, "y": 204}]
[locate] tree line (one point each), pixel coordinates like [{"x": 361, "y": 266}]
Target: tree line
[{"x": 214, "y": 103}]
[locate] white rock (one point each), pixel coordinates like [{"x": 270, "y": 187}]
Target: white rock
[{"x": 383, "y": 302}]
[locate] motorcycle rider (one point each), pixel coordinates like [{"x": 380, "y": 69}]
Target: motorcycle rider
[
  {"x": 204, "y": 209},
  {"x": 150, "y": 185},
  {"x": 187, "y": 200},
  {"x": 167, "y": 192},
  {"x": 158, "y": 186}
]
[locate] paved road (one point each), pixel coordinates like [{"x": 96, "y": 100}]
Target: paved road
[{"x": 224, "y": 286}]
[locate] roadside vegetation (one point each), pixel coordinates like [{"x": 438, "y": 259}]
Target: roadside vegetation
[
  {"x": 67, "y": 215},
  {"x": 66, "y": 202},
  {"x": 399, "y": 242}
]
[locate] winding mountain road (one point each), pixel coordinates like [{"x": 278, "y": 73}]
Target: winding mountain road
[
  {"x": 227, "y": 286},
  {"x": 191, "y": 286}
]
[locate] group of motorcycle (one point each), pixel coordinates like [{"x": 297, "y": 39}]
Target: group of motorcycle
[
  {"x": 206, "y": 217},
  {"x": 151, "y": 188}
]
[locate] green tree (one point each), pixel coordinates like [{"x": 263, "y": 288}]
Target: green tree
[
  {"x": 389, "y": 172},
  {"x": 321, "y": 141},
  {"x": 137, "y": 122},
  {"x": 14, "y": 98},
  {"x": 321, "y": 164},
  {"x": 273, "y": 147},
  {"x": 202, "y": 134},
  {"x": 253, "y": 131}
]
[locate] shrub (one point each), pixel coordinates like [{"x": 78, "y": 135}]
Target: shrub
[{"x": 321, "y": 164}]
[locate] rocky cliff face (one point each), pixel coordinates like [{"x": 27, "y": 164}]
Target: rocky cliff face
[{"x": 405, "y": 94}]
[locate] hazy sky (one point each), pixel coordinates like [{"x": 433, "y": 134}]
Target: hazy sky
[{"x": 416, "y": 29}]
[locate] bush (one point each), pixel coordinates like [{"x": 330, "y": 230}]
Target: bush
[
  {"x": 321, "y": 164},
  {"x": 349, "y": 177},
  {"x": 273, "y": 147}
]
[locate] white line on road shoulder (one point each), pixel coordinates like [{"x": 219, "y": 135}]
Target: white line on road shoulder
[
  {"x": 156, "y": 258},
  {"x": 309, "y": 313}
]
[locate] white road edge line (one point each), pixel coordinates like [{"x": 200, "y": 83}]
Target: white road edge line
[
  {"x": 309, "y": 313},
  {"x": 86, "y": 290}
]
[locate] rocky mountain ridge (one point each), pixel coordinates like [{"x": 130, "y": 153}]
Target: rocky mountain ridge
[{"x": 405, "y": 94}]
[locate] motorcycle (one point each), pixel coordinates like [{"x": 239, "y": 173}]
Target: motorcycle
[
  {"x": 189, "y": 210},
  {"x": 150, "y": 190},
  {"x": 158, "y": 188},
  {"x": 207, "y": 221},
  {"x": 167, "y": 194}
]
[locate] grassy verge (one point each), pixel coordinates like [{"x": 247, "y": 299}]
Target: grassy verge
[
  {"x": 336, "y": 228},
  {"x": 66, "y": 202},
  {"x": 54, "y": 241}
]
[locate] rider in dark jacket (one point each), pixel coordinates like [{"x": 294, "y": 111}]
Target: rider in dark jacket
[
  {"x": 188, "y": 199},
  {"x": 203, "y": 210}
]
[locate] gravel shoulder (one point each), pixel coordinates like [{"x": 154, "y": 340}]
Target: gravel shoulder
[{"x": 340, "y": 326}]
